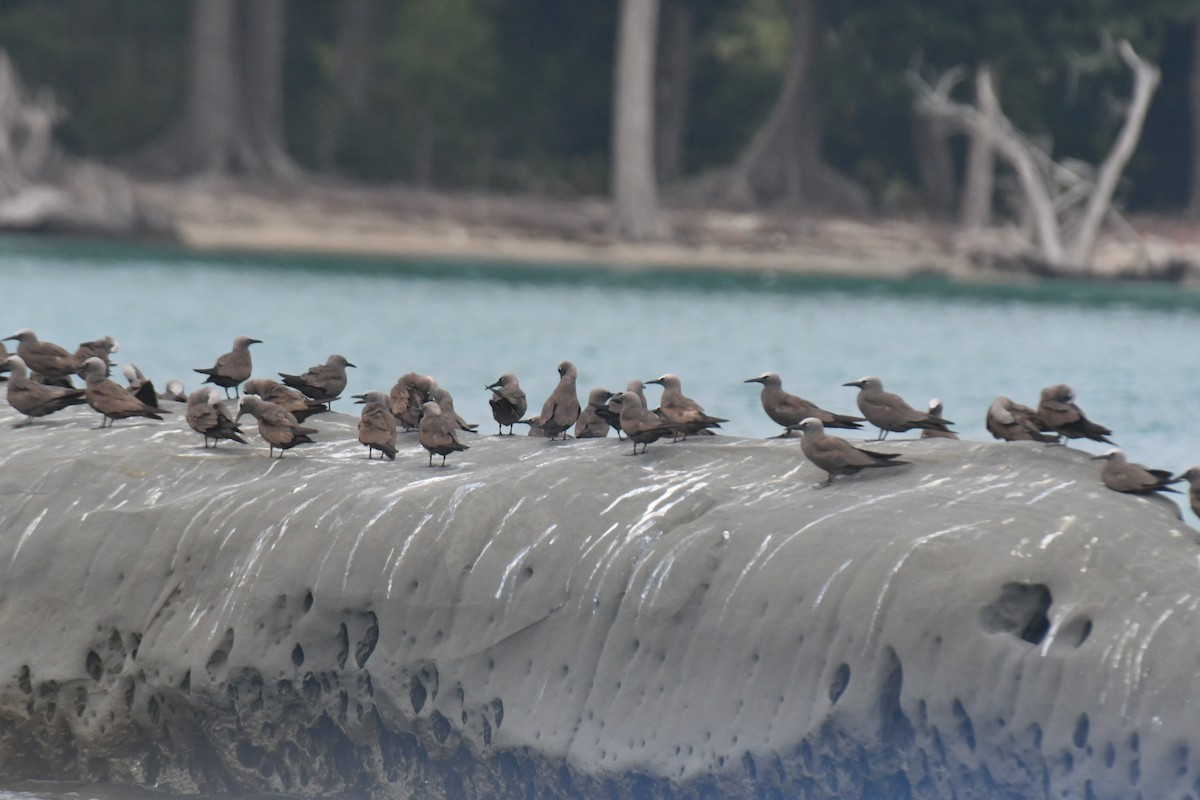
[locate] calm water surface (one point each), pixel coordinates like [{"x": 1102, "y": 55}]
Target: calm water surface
[{"x": 1125, "y": 349}]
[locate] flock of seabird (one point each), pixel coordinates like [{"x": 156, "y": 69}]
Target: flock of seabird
[{"x": 39, "y": 382}]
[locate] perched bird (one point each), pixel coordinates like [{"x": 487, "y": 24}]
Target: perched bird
[
  {"x": 641, "y": 425},
  {"x": 408, "y": 395},
  {"x": 233, "y": 367},
  {"x": 1057, "y": 409},
  {"x": 109, "y": 398},
  {"x": 285, "y": 397},
  {"x": 174, "y": 391},
  {"x": 445, "y": 402},
  {"x": 377, "y": 425},
  {"x": 100, "y": 348},
  {"x": 1192, "y": 476},
  {"x": 1014, "y": 422},
  {"x": 1122, "y": 475},
  {"x": 561, "y": 409},
  {"x": 324, "y": 382},
  {"x": 52, "y": 362},
  {"x": 437, "y": 433},
  {"x": 889, "y": 412},
  {"x": 935, "y": 410},
  {"x": 508, "y": 401},
  {"x": 36, "y": 399},
  {"x": 789, "y": 410},
  {"x": 208, "y": 417},
  {"x": 591, "y": 425},
  {"x": 610, "y": 412},
  {"x": 3, "y": 362},
  {"x": 836, "y": 455},
  {"x": 277, "y": 426},
  {"x": 682, "y": 411},
  {"x": 139, "y": 385}
]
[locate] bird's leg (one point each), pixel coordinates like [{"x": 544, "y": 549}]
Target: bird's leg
[
  {"x": 431, "y": 458},
  {"x": 824, "y": 483},
  {"x": 443, "y": 459}
]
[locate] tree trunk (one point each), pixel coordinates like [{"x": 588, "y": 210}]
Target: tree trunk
[
  {"x": 931, "y": 142},
  {"x": 635, "y": 190},
  {"x": 233, "y": 120},
  {"x": 979, "y": 181},
  {"x": 1194, "y": 108},
  {"x": 674, "y": 75},
  {"x": 782, "y": 165},
  {"x": 350, "y": 78}
]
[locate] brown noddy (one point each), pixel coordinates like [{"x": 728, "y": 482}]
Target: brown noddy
[
  {"x": 641, "y": 425},
  {"x": 1122, "y": 475},
  {"x": 508, "y": 402},
  {"x": 445, "y": 402},
  {"x": 52, "y": 362},
  {"x": 285, "y": 397},
  {"x": 935, "y": 410},
  {"x": 789, "y": 410},
  {"x": 100, "y": 348},
  {"x": 174, "y": 391},
  {"x": 233, "y": 367},
  {"x": 889, "y": 412},
  {"x": 208, "y": 417},
  {"x": 1192, "y": 476},
  {"x": 139, "y": 385},
  {"x": 323, "y": 382},
  {"x": 561, "y": 409},
  {"x": 437, "y": 432},
  {"x": 408, "y": 395},
  {"x": 836, "y": 455},
  {"x": 3, "y": 362},
  {"x": 277, "y": 426},
  {"x": 591, "y": 425},
  {"x": 1014, "y": 422},
  {"x": 36, "y": 399},
  {"x": 1057, "y": 409},
  {"x": 377, "y": 425},
  {"x": 682, "y": 411},
  {"x": 112, "y": 400}
]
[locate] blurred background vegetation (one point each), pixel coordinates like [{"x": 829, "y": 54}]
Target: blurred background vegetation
[{"x": 516, "y": 95}]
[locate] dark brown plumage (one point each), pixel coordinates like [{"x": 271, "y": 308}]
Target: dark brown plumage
[
  {"x": 437, "y": 433},
  {"x": 1057, "y": 409},
  {"x": 285, "y": 397},
  {"x": 110, "y": 399},
  {"x": 100, "y": 348},
  {"x": 36, "y": 399},
  {"x": 641, "y": 425},
  {"x": 208, "y": 417},
  {"x": 508, "y": 401},
  {"x": 49, "y": 361},
  {"x": 1013, "y": 422},
  {"x": 277, "y": 426},
  {"x": 233, "y": 367},
  {"x": 836, "y": 455},
  {"x": 323, "y": 382},
  {"x": 591, "y": 425},
  {"x": 682, "y": 411},
  {"x": 407, "y": 396},
  {"x": 889, "y": 412},
  {"x": 789, "y": 410},
  {"x": 935, "y": 410},
  {"x": 561, "y": 409},
  {"x": 377, "y": 424}
]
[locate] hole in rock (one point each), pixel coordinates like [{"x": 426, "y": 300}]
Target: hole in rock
[
  {"x": 966, "y": 729},
  {"x": 308, "y": 602},
  {"x": 1110, "y": 755},
  {"x": 1081, "y": 730},
  {"x": 371, "y": 638},
  {"x": 417, "y": 695},
  {"x": 837, "y": 687},
  {"x": 343, "y": 645},
  {"x": 93, "y": 665},
  {"x": 1020, "y": 609},
  {"x": 895, "y": 727},
  {"x": 24, "y": 679},
  {"x": 297, "y": 655}
]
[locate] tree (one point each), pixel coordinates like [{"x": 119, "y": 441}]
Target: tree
[
  {"x": 673, "y": 75},
  {"x": 233, "y": 119},
  {"x": 635, "y": 189}
]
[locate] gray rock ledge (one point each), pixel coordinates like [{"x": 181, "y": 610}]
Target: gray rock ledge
[{"x": 564, "y": 620}]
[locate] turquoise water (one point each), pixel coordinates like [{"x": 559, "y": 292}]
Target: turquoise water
[{"x": 1124, "y": 348}]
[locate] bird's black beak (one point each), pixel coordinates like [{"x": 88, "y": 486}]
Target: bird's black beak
[
  {"x": 753, "y": 380},
  {"x": 654, "y": 381},
  {"x": 857, "y": 384},
  {"x": 255, "y": 341},
  {"x": 348, "y": 364}
]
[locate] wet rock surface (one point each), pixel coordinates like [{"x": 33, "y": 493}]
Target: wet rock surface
[{"x": 561, "y": 620}]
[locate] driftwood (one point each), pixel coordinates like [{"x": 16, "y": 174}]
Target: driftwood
[
  {"x": 1067, "y": 201},
  {"x": 43, "y": 189}
]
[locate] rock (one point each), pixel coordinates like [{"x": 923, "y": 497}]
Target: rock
[{"x": 564, "y": 620}]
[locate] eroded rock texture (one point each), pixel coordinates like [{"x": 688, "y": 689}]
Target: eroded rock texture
[{"x": 561, "y": 619}]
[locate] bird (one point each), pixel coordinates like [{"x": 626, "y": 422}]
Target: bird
[
  {"x": 836, "y": 455},
  {"x": 445, "y": 402},
  {"x": 561, "y": 409},
  {"x": 889, "y": 412},
  {"x": 591, "y": 425},
  {"x": 139, "y": 386},
  {"x": 233, "y": 367},
  {"x": 208, "y": 417},
  {"x": 935, "y": 410},
  {"x": 36, "y": 399},
  {"x": 408, "y": 395},
  {"x": 100, "y": 348},
  {"x": 3, "y": 362},
  {"x": 641, "y": 425},
  {"x": 277, "y": 426},
  {"x": 1013, "y": 422},
  {"x": 1057, "y": 409},
  {"x": 508, "y": 401},
  {"x": 51, "y": 362},
  {"x": 1122, "y": 475},
  {"x": 437, "y": 432},
  {"x": 174, "y": 391},
  {"x": 682, "y": 411},
  {"x": 377, "y": 424},
  {"x": 285, "y": 397},
  {"x": 110, "y": 399},
  {"x": 790, "y": 410},
  {"x": 1192, "y": 476},
  {"x": 323, "y": 382}
]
